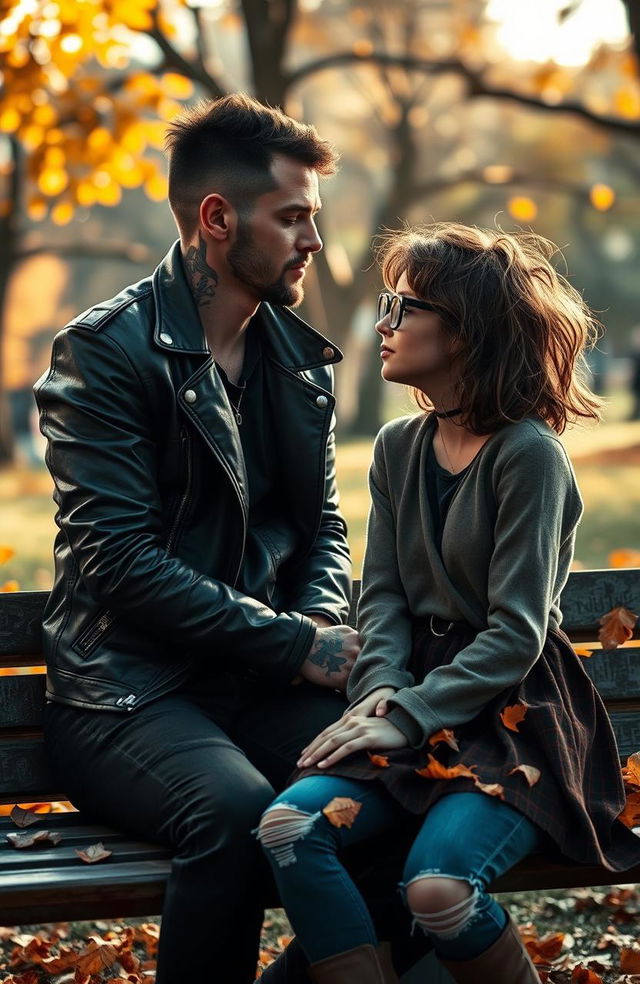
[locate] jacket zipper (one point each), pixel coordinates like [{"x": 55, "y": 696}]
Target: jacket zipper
[{"x": 87, "y": 642}]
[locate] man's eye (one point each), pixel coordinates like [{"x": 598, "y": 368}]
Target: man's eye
[{"x": 290, "y": 219}]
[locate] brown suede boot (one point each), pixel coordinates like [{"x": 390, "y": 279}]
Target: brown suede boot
[
  {"x": 363, "y": 965},
  {"x": 505, "y": 962}
]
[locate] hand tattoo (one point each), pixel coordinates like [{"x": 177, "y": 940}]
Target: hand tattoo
[
  {"x": 204, "y": 278},
  {"x": 323, "y": 653}
]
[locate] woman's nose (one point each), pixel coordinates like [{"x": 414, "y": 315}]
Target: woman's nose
[{"x": 382, "y": 326}]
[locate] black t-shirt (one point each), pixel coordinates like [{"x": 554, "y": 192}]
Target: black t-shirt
[{"x": 441, "y": 488}]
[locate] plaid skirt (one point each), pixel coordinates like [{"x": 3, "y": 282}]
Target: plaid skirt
[{"x": 565, "y": 734}]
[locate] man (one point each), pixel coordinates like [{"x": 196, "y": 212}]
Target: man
[{"x": 194, "y": 634}]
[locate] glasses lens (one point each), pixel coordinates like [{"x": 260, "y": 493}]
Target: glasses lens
[
  {"x": 383, "y": 305},
  {"x": 395, "y": 308}
]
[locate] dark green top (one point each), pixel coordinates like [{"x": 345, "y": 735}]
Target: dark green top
[{"x": 507, "y": 546}]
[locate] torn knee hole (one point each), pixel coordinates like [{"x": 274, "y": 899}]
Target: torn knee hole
[
  {"x": 442, "y": 906},
  {"x": 281, "y": 826}
]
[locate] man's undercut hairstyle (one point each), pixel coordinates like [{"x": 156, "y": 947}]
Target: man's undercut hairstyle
[{"x": 226, "y": 146}]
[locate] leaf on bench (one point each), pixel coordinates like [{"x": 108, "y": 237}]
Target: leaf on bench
[
  {"x": 93, "y": 853},
  {"x": 530, "y": 773},
  {"x": 37, "y": 837},
  {"x": 342, "y": 811},
  {"x": 22, "y": 817},
  {"x": 513, "y": 715},
  {"x": 617, "y": 627}
]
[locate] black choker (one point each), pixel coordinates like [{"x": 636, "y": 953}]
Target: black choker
[{"x": 448, "y": 413}]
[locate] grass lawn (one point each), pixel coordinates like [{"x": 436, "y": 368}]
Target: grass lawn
[{"x": 606, "y": 459}]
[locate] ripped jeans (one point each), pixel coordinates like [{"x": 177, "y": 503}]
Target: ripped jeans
[{"x": 466, "y": 837}]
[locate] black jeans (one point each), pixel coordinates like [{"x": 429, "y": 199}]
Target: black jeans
[{"x": 194, "y": 771}]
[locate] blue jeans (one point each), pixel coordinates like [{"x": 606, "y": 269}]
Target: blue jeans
[{"x": 466, "y": 836}]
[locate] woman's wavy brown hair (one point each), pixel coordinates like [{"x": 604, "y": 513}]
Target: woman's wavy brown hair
[{"x": 522, "y": 328}]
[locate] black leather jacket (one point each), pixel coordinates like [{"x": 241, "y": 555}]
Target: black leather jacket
[{"x": 151, "y": 489}]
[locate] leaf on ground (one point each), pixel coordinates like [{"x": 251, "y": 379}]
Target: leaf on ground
[
  {"x": 545, "y": 949},
  {"x": 616, "y": 627},
  {"x": 342, "y": 811},
  {"x": 382, "y": 761},
  {"x": 630, "y": 816},
  {"x": 149, "y": 935},
  {"x": 446, "y": 735},
  {"x": 35, "y": 837},
  {"x": 624, "y": 558},
  {"x": 582, "y": 975},
  {"x": 23, "y": 818},
  {"x": 97, "y": 956},
  {"x": 491, "y": 788},
  {"x": 435, "y": 770},
  {"x": 93, "y": 853},
  {"x": 30, "y": 977},
  {"x": 513, "y": 715},
  {"x": 584, "y": 651},
  {"x": 630, "y": 959},
  {"x": 531, "y": 774}
]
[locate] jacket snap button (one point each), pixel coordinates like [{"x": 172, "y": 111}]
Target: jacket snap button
[
  {"x": 322, "y": 402},
  {"x": 190, "y": 396},
  {"x": 328, "y": 352},
  {"x": 167, "y": 339}
]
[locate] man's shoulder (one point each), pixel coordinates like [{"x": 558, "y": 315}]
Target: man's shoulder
[{"x": 130, "y": 303}]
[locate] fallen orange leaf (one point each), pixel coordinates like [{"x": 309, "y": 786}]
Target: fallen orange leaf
[
  {"x": 631, "y": 771},
  {"x": 23, "y": 818},
  {"x": 531, "y": 774},
  {"x": 545, "y": 949},
  {"x": 446, "y": 735},
  {"x": 512, "y": 716},
  {"x": 93, "y": 853},
  {"x": 342, "y": 811},
  {"x": 382, "y": 761},
  {"x": 630, "y": 816},
  {"x": 630, "y": 960},
  {"x": 96, "y": 957},
  {"x": 435, "y": 770},
  {"x": 582, "y": 975},
  {"x": 491, "y": 788},
  {"x": 616, "y": 627},
  {"x": 29, "y": 839}
]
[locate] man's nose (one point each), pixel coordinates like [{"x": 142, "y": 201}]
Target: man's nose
[{"x": 310, "y": 241}]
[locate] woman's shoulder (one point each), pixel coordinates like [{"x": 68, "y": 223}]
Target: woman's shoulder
[
  {"x": 403, "y": 429},
  {"x": 531, "y": 442}
]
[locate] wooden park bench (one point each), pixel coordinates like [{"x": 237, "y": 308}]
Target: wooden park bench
[{"x": 47, "y": 883}]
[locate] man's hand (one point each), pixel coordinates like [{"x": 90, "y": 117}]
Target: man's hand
[
  {"x": 331, "y": 656},
  {"x": 351, "y": 734},
  {"x": 373, "y": 705}
]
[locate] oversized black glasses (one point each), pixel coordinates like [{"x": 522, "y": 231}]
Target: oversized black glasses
[{"x": 395, "y": 305}]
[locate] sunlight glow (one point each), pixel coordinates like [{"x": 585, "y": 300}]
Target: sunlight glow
[{"x": 533, "y": 31}]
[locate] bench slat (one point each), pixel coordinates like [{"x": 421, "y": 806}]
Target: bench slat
[{"x": 21, "y": 621}]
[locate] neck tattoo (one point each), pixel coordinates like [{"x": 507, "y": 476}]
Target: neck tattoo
[{"x": 203, "y": 277}]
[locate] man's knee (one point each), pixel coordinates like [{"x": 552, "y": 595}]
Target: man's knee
[{"x": 222, "y": 815}]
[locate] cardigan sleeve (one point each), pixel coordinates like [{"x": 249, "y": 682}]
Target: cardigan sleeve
[
  {"x": 538, "y": 507},
  {"x": 384, "y": 621}
]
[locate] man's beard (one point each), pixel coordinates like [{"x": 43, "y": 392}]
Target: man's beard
[{"x": 252, "y": 268}]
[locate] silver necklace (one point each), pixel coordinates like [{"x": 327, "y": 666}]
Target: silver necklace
[
  {"x": 444, "y": 446},
  {"x": 236, "y": 406}
]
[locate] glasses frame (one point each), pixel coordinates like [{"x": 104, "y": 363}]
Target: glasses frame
[{"x": 394, "y": 305}]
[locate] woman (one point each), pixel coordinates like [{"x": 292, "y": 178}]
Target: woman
[{"x": 469, "y": 708}]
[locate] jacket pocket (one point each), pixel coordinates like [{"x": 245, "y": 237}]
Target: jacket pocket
[{"x": 97, "y": 630}]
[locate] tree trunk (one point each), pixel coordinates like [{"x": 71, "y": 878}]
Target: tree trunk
[{"x": 9, "y": 237}]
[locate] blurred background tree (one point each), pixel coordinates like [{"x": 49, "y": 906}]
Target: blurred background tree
[{"x": 478, "y": 110}]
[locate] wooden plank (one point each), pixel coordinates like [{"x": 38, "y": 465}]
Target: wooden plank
[
  {"x": 24, "y": 771},
  {"x": 590, "y": 594},
  {"x": 615, "y": 672},
  {"x": 21, "y": 701},
  {"x": 21, "y": 621},
  {"x": 626, "y": 727}
]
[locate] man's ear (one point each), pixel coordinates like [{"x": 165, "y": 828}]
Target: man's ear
[{"x": 217, "y": 217}]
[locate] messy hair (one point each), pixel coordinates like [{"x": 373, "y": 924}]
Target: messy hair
[
  {"x": 227, "y": 146},
  {"x": 522, "y": 328}
]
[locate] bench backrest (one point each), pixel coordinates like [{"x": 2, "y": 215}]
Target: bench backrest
[{"x": 24, "y": 776}]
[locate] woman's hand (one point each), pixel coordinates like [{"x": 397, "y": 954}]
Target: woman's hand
[
  {"x": 373, "y": 705},
  {"x": 351, "y": 733}
]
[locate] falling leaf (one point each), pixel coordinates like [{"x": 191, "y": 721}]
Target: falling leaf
[
  {"x": 342, "y": 811},
  {"x": 617, "y": 627},
  {"x": 446, "y": 735},
  {"x": 512, "y": 716},
  {"x": 435, "y": 770},
  {"x": 630, "y": 816},
  {"x": 631, "y": 771},
  {"x": 382, "y": 761},
  {"x": 582, "y": 975},
  {"x": 630, "y": 959},
  {"x": 583, "y": 651},
  {"x": 491, "y": 788},
  {"x": 531, "y": 774},
  {"x": 36, "y": 837},
  {"x": 6, "y": 553},
  {"x": 93, "y": 853},
  {"x": 23, "y": 818}
]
